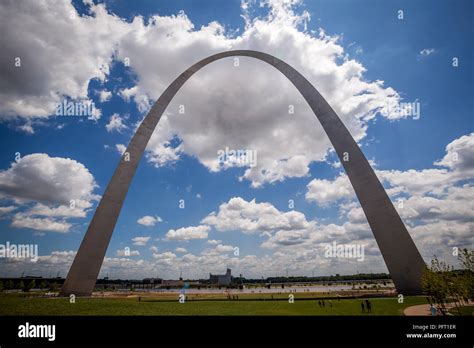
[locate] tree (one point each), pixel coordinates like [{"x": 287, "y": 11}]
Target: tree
[
  {"x": 54, "y": 286},
  {"x": 436, "y": 280},
  {"x": 466, "y": 277},
  {"x": 1, "y": 285},
  {"x": 444, "y": 284},
  {"x": 9, "y": 285},
  {"x": 30, "y": 285},
  {"x": 21, "y": 285},
  {"x": 466, "y": 258},
  {"x": 43, "y": 284}
]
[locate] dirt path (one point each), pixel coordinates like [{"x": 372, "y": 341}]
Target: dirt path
[{"x": 424, "y": 310}]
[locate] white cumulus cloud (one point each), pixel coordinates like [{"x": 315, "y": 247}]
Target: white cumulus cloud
[
  {"x": 48, "y": 190},
  {"x": 188, "y": 233},
  {"x": 141, "y": 241},
  {"x": 286, "y": 143},
  {"x": 149, "y": 220},
  {"x": 115, "y": 124}
]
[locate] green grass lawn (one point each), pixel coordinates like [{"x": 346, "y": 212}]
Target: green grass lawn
[
  {"x": 465, "y": 310},
  {"x": 19, "y": 305}
]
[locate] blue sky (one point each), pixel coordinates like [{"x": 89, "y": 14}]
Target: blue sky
[{"x": 363, "y": 42}]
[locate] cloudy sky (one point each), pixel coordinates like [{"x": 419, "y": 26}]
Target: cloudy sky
[{"x": 185, "y": 211}]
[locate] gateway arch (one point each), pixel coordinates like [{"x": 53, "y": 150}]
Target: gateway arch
[{"x": 401, "y": 256}]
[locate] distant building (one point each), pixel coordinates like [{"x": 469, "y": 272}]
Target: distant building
[
  {"x": 218, "y": 279},
  {"x": 172, "y": 283},
  {"x": 152, "y": 281}
]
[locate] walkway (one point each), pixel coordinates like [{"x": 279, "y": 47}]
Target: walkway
[{"x": 424, "y": 310}]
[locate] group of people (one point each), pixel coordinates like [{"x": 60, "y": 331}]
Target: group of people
[
  {"x": 323, "y": 304},
  {"x": 437, "y": 310},
  {"x": 366, "y": 306}
]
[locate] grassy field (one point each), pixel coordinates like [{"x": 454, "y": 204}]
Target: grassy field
[
  {"x": 465, "y": 310},
  {"x": 19, "y": 305}
]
